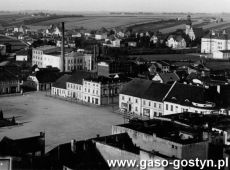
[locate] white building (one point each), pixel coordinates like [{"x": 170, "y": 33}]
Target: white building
[
  {"x": 215, "y": 42},
  {"x": 222, "y": 54},
  {"x": 146, "y": 102},
  {"x": 155, "y": 99},
  {"x": 176, "y": 42}
]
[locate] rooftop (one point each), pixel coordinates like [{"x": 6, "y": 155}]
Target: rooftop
[{"x": 165, "y": 129}]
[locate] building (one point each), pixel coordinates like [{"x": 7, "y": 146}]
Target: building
[
  {"x": 156, "y": 99},
  {"x": 89, "y": 88},
  {"x": 176, "y": 42},
  {"x": 102, "y": 90},
  {"x": 9, "y": 82},
  {"x": 24, "y": 153},
  {"x": 42, "y": 79},
  {"x": 59, "y": 87},
  {"x": 22, "y": 55},
  {"x": 215, "y": 41},
  {"x": 147, "y": 102},
  {"x": 222, "y": 54},
  {"x": 166, "y": 77},
  {"x": 166, "y": 137},
  {"x": 188, "y": 98},
  {"x": 113, "y": 68},
  {"x": 46, "y": 56}
]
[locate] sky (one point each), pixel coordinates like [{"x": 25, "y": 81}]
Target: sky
[{"x": 119, "y": 5}]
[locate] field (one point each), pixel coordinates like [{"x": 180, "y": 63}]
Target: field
[
  {"x": 61, "y": 120},
  {"x": 165, "y": 23}
]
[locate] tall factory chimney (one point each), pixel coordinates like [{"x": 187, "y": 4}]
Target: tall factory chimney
[{"x": 62, "y": 66}]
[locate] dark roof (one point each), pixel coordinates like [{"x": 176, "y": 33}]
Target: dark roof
[
  {"x": 193, "y": 119},
  {"x": 61, "y": 82},
  {"x": 106, "y": 80},
  {"x": 46, "y": 76},
  {"x": 165, "y": 129},
  {"x": 20, "y": 147},
  {"x": 78, "y": 76},
  {"x": 6, "y": 75},
  {"x": 169, "y": 77},
  {"x": 132, "y": 87},
  {"x": 186, "y": 94},
  {"x": 86, "y": 157}
]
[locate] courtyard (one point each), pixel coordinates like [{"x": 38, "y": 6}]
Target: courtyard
[{"x": 60, "y": 120}]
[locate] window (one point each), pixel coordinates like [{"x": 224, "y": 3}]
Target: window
[
  {"x": 143, "y": 102},
  {"x": 167, "y": 107},
  {"x": 136, "y": 101},
  {"x": 123, "y": 98},
  {"x": 136, "y": 109},
  {"x": 160, "y": 114},
  {"x": 155, "y": 113},
  {"x": 159, "y": 106},
  {"x": 172, "y": 108},
  {"x": 129, "y": 99},
  {"x": 149, "y": 103},
  {"x": 155, "y": 105}
]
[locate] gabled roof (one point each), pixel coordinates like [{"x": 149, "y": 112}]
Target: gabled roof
[
  {"x": 169, "y": 77},
  {"x": 61, "y": 82},
  {"x": 20, "y": 147},
  {"x": 136, "y": 87},
  {"x": 146, "y": 89},
  {"x": 186, "y": 94}
]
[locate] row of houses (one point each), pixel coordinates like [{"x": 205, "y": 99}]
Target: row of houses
[
  {"x": 89, "y": 88},
  {"x": 157, "y": 99}
]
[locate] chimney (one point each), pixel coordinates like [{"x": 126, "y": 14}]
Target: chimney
[
  {"x": 62, "y": 66},
  {"x": 73, "y": 146}
]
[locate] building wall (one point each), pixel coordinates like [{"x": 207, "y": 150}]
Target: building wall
[
  {"x": 210, "y": 45},
  {"x": 74, "y": 90},
  {"x": 172, "y": 108},
  {"x": 9, "y": 87},
  {"x": 92, "y": 92},
  {"x": 163, "y": 146},
  {"x": 112, "y": 153},
  {"x": 157, "y": 78},
  {"x": 141, "y": 107},
  {"x": 21, "y": 58},
  {"x": 59, "y": 92}
]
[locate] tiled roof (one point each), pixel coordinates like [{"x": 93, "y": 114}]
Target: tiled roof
[
  {"x": 6, "y": 75},
  {"x": 186, "y": 94},
  {"x": 46, "y": 76},
  {"x": 146, "y": 89},
  {"x": 169, "y": 77},
  {"x": 61, "y": 82}
]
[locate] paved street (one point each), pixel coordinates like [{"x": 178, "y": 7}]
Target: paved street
[{"x": 61, "y": 120}]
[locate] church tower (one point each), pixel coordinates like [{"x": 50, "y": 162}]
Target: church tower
[{"x": 189, "y": 29}]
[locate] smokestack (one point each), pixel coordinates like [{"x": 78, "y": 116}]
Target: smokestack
[
  {"x": 62, "y": 66},
  {"x": 73, "y": 146}
]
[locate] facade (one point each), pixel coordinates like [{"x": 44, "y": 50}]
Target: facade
[
  {"x": 9, "y": 83},
  {"x": 222, "y": 54},
  {"x": 215, "y": 42},
  {"x": 188, "y": 28},
  {"x": 89, "y": 88},
  {"x": 147, "y": 102},
  {"x": 156, "y": 99},
  {"x": 166, "y": 138}
]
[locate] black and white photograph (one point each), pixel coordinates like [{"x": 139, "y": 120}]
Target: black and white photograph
[{"x": 114, "y": 85}]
